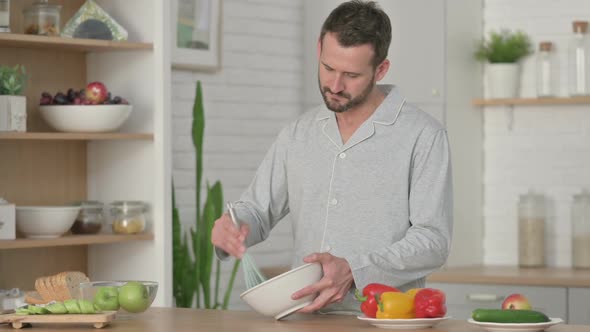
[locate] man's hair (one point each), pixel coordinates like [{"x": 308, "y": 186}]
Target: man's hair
[{"x": 357, "y": 23}]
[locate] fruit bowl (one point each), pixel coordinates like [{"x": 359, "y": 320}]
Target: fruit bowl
[
  {"x": 85, "y": 118},
  {"x": 273, "y": 297},
  {"x": 130, "y": 297},
  {"x": 44, "y": 222}
]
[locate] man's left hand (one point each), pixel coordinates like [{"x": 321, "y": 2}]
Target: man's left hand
[{"x": 333, "y": 286}]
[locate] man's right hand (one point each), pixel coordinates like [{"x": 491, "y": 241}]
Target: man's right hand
[{"x": 228, "y": 238}]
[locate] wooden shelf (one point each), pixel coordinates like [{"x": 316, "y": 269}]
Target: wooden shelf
[
  {"x": 73, "y": 240},
  {"x": 75, "y": 136},
  {"x": 71, "y": 44},
  {"x": 532, "y": 101}
]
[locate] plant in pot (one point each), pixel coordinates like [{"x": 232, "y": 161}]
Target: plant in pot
[
  {"x": 13, "y": 106},
  {"x": 503, "y": 51}
]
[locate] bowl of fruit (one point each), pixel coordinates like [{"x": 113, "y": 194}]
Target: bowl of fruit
[
  {"x": 123, "y": 296},
  {"x": 92, "y": 109}
]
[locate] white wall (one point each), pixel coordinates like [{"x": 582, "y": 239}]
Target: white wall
[
  {"x": 256, "y": 93},
  {"x": 548, "y": 148}
]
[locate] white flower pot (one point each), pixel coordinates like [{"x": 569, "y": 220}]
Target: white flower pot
[
  {"x": 503, "y": 80},
  {"x": 13, "y": 113}
]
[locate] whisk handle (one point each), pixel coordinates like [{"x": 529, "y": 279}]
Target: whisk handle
[{"x": 232, "y": 214}]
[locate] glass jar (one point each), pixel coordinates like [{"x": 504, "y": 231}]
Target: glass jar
[
  {"x": 128, "y": 216},
  {"x": 546, "y": 82},
  {"x": 531, "y": 230},
  {"x": 579, "y": 73},
  {"x": 90, "y": 218},
  {"x": 581, "y": 230},
  {"x": 42, "y": 18},
  {"x": 4, "y": 15}
]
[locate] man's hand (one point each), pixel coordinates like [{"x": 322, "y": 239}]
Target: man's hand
[
  {"x": 333, "y": 286},
  {"x": 227, "y": 237}
]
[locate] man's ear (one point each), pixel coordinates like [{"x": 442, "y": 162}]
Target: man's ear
[{"x": 382, "y": 70}]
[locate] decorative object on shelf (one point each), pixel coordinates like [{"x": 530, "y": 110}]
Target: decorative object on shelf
[
  {"x": 581, "y": 230},
  {"x": 4, "y": 15},
  {"x": 193, "y": 276},
  {"x": 531, "y": 230},
  {"x": 42, "y": 18},
  {"x": 93, "y": 22},
  {"x": 196, "y": 34},
  {"x": 502, "y": 52},
  {"x": 13, "y": 106},
  {"x": 579, "y": 60},
  {"x": 7, "y": 220},
  {"x": 546, "y": 70}
]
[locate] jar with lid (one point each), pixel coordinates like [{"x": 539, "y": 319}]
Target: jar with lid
[
  {"x": 546, "y": 66},
  {"x": 4, "y": 15},
  {"x": 581, "y": 230},
  {"x": 42, "y": 18},
  {"x": 531, "y": 230},
  {"x": 578, "y": 59},
  {"x": 128, "y": 217},
  {"x": 90, "y": 218}
]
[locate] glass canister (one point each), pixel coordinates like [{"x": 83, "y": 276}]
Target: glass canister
[
  {"x": 531, "y": 230},
  {"x": 42, "y": 18},
  {"x": 4, "y": 15},
  {"x": 578, "y": 58},
  {"x": 128, "y": 217},
  {"x": 581, "y": 230},
  {"x": 90, "y": 218},
  {"x": 546, "y": 63}
]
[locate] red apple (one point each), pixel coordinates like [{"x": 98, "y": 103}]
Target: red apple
[
  {"x": 517, "y": 302},
  {"x": 96, "y": 92}
]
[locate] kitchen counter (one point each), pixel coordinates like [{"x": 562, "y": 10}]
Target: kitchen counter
[
  {"x": 174, "y": 319},
  {"x": 498, "y": 275}
]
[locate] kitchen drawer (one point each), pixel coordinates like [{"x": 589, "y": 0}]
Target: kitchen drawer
[
  {"x": 578, "y": 306},
  {"x": 462, "y": 299}
]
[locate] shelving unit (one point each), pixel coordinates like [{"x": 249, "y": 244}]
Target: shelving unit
[
  {"x": 532, "y": 101},
  {"x": 44, "y": 167}
]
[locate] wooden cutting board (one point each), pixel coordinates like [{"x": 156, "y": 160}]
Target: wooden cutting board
[{"x": 97, "y": 320}]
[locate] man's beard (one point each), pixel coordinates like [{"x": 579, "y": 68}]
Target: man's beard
[{"x": 352, "y": 102}]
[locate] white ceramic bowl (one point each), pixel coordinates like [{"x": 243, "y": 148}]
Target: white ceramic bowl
[
  {"x": 45, "y": 222},
  {"x": 273, "y": 297},
  {"x": 85, "y": 118}
]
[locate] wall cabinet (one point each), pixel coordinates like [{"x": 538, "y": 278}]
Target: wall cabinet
[
  {"x": 432, "y": 62},
  {"x": 42, "y": 167}
]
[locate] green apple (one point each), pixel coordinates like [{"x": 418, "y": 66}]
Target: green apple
[
  {"x": 133, "y": 297},
  {"x": 107, "y": 298}
]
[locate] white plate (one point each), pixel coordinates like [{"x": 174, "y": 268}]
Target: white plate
[
  {"x": 414, "y": 323},
  {"x": 520, "y": 327}
]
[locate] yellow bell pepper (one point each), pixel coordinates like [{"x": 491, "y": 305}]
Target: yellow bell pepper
[
  {"x": 412, "y": 292},
  {"x": 395, "y": 305}
]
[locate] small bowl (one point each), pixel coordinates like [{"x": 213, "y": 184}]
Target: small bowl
[
  {"x": 273, "y": 297},
  {"x": 85, "y": 118},
  {"x": 45, "y": 222},
  {"x": 97, "y": 292}
]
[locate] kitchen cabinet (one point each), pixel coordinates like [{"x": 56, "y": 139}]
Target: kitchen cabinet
[
  {"x": 43, "y": 167},
  {"x": 432, "y": 62},
  {"x": 578, "y": 308}
]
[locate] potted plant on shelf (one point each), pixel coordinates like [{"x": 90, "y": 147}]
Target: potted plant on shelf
[
  {"x": 503, "y": 52},
  {"x": 13, "y": 106}
]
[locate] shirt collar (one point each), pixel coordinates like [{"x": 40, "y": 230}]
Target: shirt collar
[{"x": 385, "y": 114}]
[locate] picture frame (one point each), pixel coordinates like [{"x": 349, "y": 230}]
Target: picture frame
[{"x": 196, "y": 34}]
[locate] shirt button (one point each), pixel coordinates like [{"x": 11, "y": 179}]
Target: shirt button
[
  {"x": 342, "y": 155},
  {"x": 334, "y": 201}
]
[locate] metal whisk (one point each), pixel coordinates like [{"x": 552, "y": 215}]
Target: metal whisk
[{"x": 252, "y": 275}]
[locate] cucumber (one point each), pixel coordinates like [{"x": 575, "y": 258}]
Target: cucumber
[{"x": 509, "y": 316}]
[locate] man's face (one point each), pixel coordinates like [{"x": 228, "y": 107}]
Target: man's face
[{"x": 346, "y": 75}]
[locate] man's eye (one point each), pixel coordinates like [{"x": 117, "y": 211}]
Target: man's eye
[
  {"x": 328, "y": 68},
  {"x": 352, "y": 75}
]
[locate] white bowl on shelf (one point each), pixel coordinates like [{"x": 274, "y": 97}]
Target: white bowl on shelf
[
  {"x": 85, "y": 118},
  {"x": 273, "y": 297},
  {"x": 45, "y": 222}
]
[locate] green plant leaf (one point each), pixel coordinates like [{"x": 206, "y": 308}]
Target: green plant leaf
[{"x": 504, "y": 47}]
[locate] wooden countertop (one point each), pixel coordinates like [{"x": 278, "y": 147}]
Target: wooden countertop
[
  {"x": 190, "y": 320},
  {"x": 500, "y": 275}
]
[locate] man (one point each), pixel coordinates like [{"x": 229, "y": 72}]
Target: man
[{"x": 365, "y": 178}]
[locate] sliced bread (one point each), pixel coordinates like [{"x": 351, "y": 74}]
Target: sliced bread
[{"x": 33, "y": 297}]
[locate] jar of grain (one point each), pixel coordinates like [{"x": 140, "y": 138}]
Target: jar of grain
[
  {"x": 128, "y": 217},
  {"x": 581, "y": 231},
  {"x": 531, "y": 230}
]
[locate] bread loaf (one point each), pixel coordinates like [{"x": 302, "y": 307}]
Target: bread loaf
[{"x": 60, "y": 287}]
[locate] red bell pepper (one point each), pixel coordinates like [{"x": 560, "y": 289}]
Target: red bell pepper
[
  {"x": 369, "y": 297},
  {"x": 430, "y": 303}
]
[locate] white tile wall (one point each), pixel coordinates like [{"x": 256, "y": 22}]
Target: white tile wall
[
  {"x": 548, "y": 147},
  {"x": 257, "y": 92}
]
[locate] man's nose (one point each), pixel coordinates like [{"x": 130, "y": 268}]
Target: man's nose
[{"x": 337, "y": 84}]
